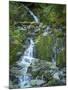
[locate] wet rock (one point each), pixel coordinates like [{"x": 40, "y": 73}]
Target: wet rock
[
  {"x": 29, "y": 69},
  {"x": 54, "y": 82},
  {"x": 56, "y": 76},
  {"x": 19, "y": 53},
  {"x": 37, "y": 82}
]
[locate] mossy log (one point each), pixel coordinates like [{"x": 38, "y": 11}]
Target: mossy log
[{"x": 26, "y": 23}]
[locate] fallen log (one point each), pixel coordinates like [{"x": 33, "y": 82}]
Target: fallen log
[{"x": 26, "y": 23}]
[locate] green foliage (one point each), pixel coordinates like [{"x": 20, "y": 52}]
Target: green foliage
[
  {"x": 54, "y": 82},
  {"x": 53, "y": 14},
  {"x": 61, "y": 59},
  {"x": 44, "y": 48},
  {"x": 17, "y": 39}
]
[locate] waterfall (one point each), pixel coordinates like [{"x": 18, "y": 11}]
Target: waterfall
[
  {"x": 32, "y": 14},
  {"x": 28, "y": 54},
  {"x": 29, "y": 51},
  {"x": 26, "y": 59},
  {"x": 30, "y": 71}
]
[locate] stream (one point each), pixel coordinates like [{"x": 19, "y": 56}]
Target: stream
[{"x": 23, "y": 77}]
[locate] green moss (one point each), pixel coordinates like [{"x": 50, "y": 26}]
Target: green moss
[
  {"x": 44, "y": 47},
  {"x": 47, "y": 76},
  {"x": 17, "y": 39},
  {"x": 13, "y": 53},
  {"x": 61, "y": 60},
  {"x": 54, "y": 82}
]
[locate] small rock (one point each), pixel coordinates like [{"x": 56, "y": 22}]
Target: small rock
[
  {"x": 37, "y": 82},
  {"x": 56, "y": 76}
]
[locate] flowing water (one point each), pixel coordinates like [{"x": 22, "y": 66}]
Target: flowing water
[
  {"x": 27, "y": 58},
  {"x": 32, "y": 14}
]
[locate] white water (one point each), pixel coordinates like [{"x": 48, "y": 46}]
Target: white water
[
  {"x": 26, "y": 60},
  {"x": 27, "y": 57},
  {"x": 32, "y": 14},
  {"x": 35, "y": 17}
]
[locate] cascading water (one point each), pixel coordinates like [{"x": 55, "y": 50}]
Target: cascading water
[
  {"x": 27, "y": 58},
  {"x": 32, "y": 14},
  {"x": 47, "y": 67}
]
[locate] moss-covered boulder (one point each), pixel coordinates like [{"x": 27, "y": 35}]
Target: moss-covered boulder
[{"x": 44, "y": 47}]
